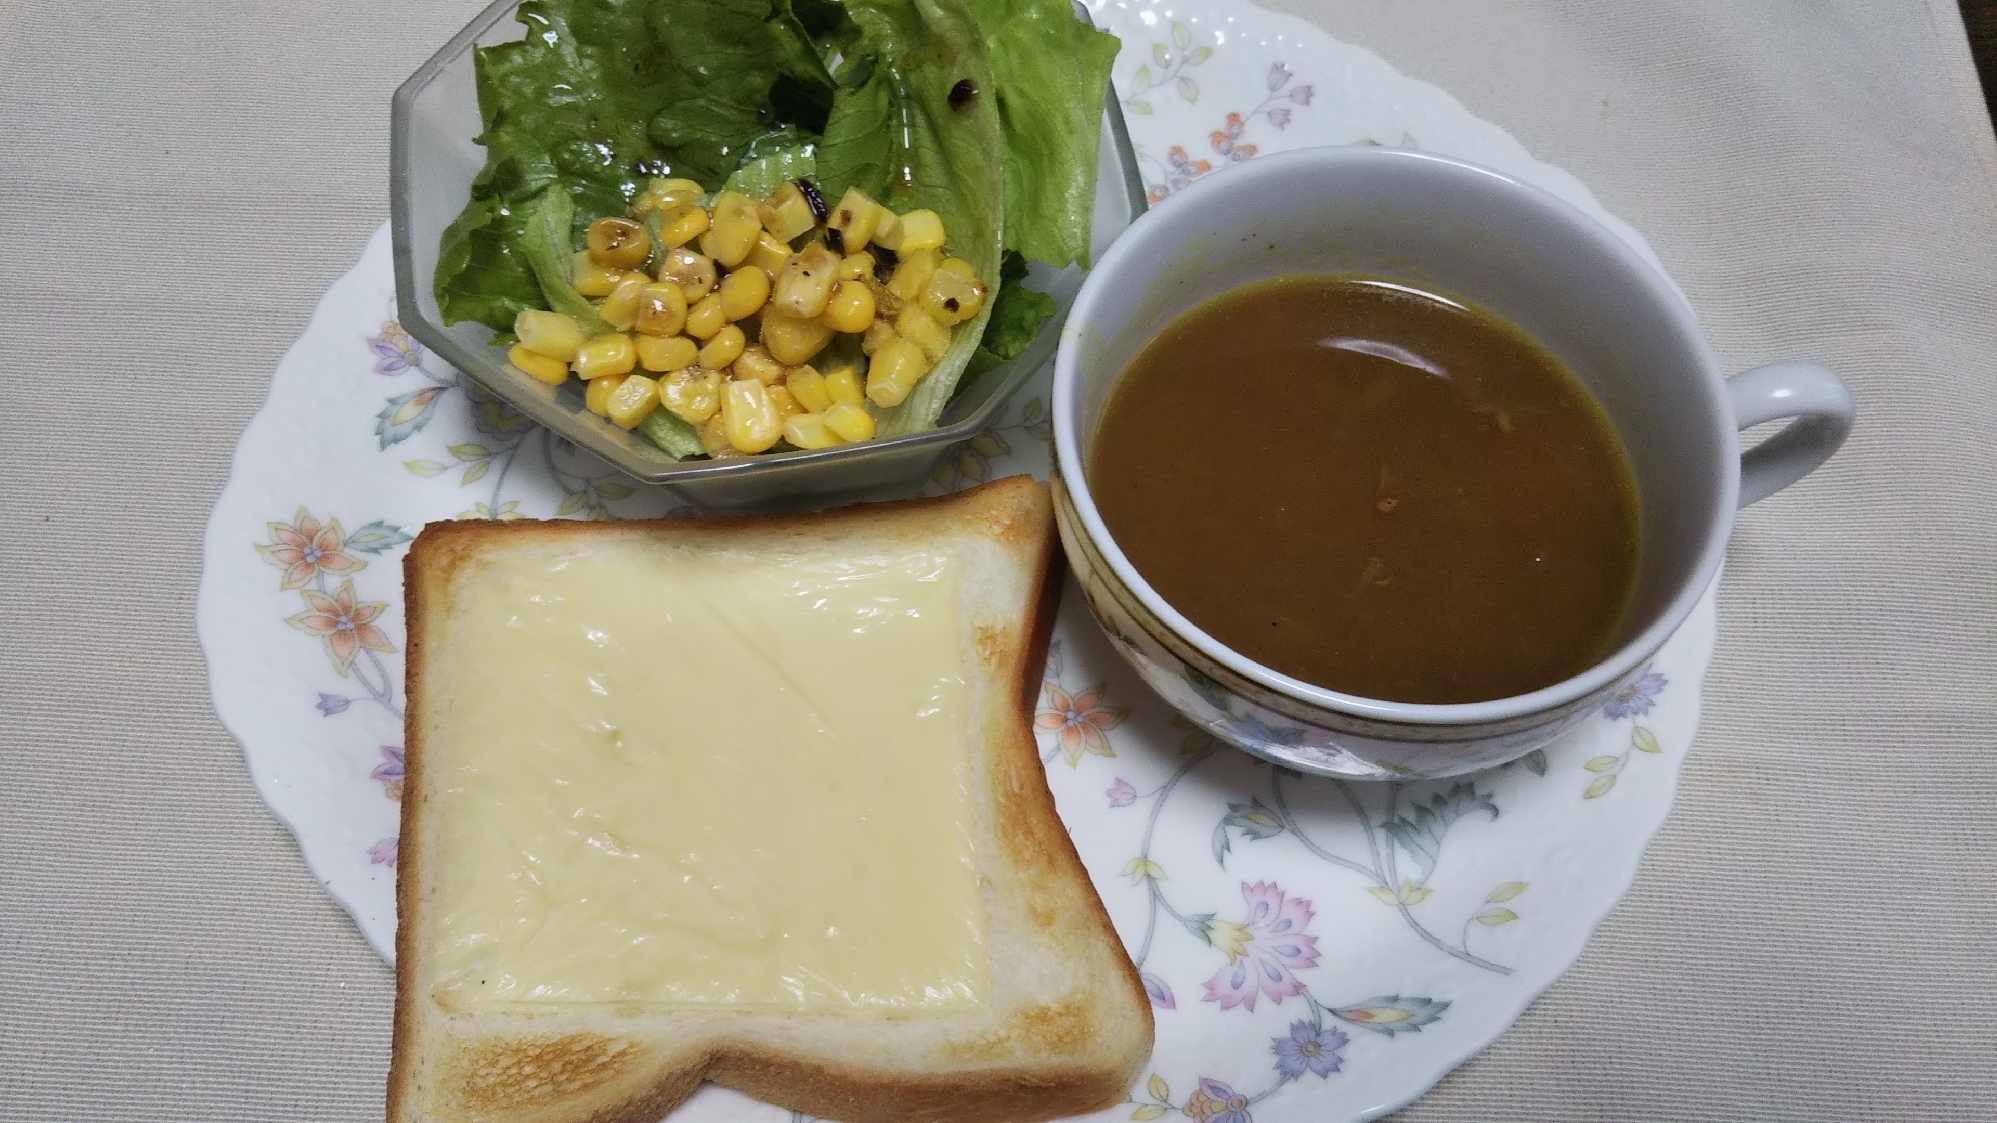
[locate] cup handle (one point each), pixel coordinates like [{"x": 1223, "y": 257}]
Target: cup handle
[{"x": 1821, "y": 405}]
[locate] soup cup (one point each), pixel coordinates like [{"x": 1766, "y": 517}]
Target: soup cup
[{"x": 1610, "y": 315}]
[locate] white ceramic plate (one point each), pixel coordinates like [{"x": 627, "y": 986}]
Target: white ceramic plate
[{"x": 1316, "y": 951}]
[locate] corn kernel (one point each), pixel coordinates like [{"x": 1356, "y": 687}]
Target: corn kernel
[
  {"x": 554, "y": 372},
  {"x": 856, "y": 267},
  {"x": 733, "y": 229},
  {"x": 666, "y": 353},
  {"x": 692, "y": 272},
  {"x": 724, "y": 348},
  {"x": 912, "y": 274},
  {"x": 804, "y": 284},
  {"x": 749, "y": 416},
  {"x": 853, "y": 222},
  {"x": 787, "y": 213},
  {"x": 548, "y": 333},
  {"x": 682, "y": 223},
  {"x": 705, "y": 319},
  {"x": 692, "y": 395},
  {"x": 784, "y": 402},
  {"x": 849, "y": 422},
  {"x": 916, "y": 230},
  {"x": 880, "y": 333},
  {"x": 915, "y": 326},
  {"x": 620, "y": 308},
  {"x": 808, "y": 430},
  {"x": 756, "y": 362},
  {"x": 605, "y": 355},
  {"x": 597, "y": 397},
  {"x": 769, "y": 255},
  {"x": 851, "y": 307},
  {"x": 591, "y": 277},
  {"x": 618, "y": 242},
  {"x": 714, "y": 437},
  {"x": 743, "y": 293},
  {"x": 842, "y": 384},
  {"x": 808, "y": 387},
  {"x": 792, "y": 339},
  {"x": 661, "y": 309},
  {"x": 894, "y": 372},
  {"x": 634, "y": 397},
  {"x": 957, "y": 265},
  {"x": 662, "y": 194},
  {"x": 951, "y": 297}
]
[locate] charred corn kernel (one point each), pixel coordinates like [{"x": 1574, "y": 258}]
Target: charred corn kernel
[
  {"x": 693, "y": 273},
  {"x": 703, "y": 320},
  {"x": 951, "y": 297},
  {"x": 662, "y": 194},
  {"x": 597, "y": 398},
  {"x": 784, "y": 402},
  {"x": 793, "y": 339},
  {"x": 894, "y": 372},
  {"x": 768, "y": 256},
  {"x": 665, "y": 353},
  {"x": 856, "y": 267},
  {"x": 749, "y": 415},
  {"x": 634, "y": 397},
  {"x": 880, "y": 333},
  {"x": 591, "y": 277},
  {"x": 756, "y": 362},
  {"x": 915, "y": 326},
  {"x": 851, "y": 307},
  {"x": 618, "y": 242},
  {"x": 554, "y": 372},
  {"x": 605, "y": 355},
  {"x": 808, "y": 387},
  {"x": 916, "y": 230},
  {"x": 620, "y": 308},
  {"x": 786, "y": 213},
  {"x": 732, "y": 230},
  {"x": 548, "y": 333},
  {"x": 808, "y": 430},
  {"x": 682, "y": 223},
  {"x": 853, "y": 222},
  {"x": 661, "y": 309},
  {"x": 692, "y": 395},
  {"x": 714, "y": 436},
  {"x": 804, "y": 284},
  {"x": 842, "y": 384},
  {"x": 912, "y": 274},
  {"x": 849, "y": 422},
  {"x": 743, "y": 293},
  {"x": 957, "y": 265},
  {"x": 724, "y": 348}
]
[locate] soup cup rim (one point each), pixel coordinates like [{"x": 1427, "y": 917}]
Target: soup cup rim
[{"x": 1183, "y": 208}]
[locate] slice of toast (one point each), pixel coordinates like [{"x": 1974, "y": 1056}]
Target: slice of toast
[{"x": 1060, "y": 1025}]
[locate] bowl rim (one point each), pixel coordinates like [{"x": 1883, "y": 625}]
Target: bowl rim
[
  {"x": 1211, "y": 193},
  {"x": 549, "y": 411}
]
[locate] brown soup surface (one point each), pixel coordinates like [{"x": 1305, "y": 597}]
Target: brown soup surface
[{"x": 1372, "y": 488}]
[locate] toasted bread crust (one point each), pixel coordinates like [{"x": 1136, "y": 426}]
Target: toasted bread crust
[{"x": 1034, "y": 1059}]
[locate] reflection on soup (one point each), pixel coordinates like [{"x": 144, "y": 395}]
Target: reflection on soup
[{"x": 1373, "y": 488}]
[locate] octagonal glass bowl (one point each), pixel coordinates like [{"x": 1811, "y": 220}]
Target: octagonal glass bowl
[{"x": 433, "y": 156}]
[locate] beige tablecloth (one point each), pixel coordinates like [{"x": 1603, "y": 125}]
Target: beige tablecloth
[{"x": 1810, "y": 938}]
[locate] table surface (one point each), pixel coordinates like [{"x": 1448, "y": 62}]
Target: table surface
[{"x": 1813, "y": 935}]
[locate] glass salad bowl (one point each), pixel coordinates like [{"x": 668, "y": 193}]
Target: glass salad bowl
[{"x": 433, "y": 157}]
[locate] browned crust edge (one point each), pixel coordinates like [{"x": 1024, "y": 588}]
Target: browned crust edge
[{"x": 829, "y": 1091}]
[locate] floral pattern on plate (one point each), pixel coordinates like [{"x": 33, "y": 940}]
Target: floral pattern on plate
[{"x": 1314, "y": 950}]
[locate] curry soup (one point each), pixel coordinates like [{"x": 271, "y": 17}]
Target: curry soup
[{"x": 1372, "y": 488}]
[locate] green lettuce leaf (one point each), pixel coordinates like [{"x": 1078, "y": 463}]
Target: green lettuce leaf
[
  {"x": 939, "y": 156},
  {"x": 1052, "y": 71},
  {"x": 1017, "y": 313}
]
